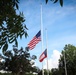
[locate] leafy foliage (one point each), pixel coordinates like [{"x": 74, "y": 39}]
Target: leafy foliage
[
  {"x": 11, "y": 24},
  {"x": 46, "y": 72},
  {"x": 55, "y": 71},
  {"x": 18, "y": 61},
  {"x": 70, "y": 57},
  {"x": 69, "y": 52},
  {"x": 55, "y": 1}
]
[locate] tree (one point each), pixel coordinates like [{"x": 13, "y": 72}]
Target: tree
[
  {"x": 70, "y": 58},
  {"x": 11, "y": 23},
  {"x": 45, "y": 72},
  {"x": 1, "y": 62},
  {"x": 18, "y": 61},
  {"x": 55, "y": 71}
]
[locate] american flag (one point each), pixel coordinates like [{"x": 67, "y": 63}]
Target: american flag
[
  {"x": 35, "y": 40},
  {"x": 43, "y": 55}
]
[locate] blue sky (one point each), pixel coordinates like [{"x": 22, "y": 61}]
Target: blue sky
[{"x": 60, "y": 23}]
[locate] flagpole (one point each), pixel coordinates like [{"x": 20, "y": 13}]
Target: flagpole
[
  {"x": 47, "y": 53},
  {"x": 42, "y": 37}
]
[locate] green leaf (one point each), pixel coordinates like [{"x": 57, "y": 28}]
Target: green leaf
[
  {"x": 2, "y": 42},
  {"x": 55, "y": 1},
  {"x": 61, "y": 2},
  {"x": 25, "y": 27},
  {"x": 12, "y": 40},
  {"x": 16, "y": 5},
  {"x": 46, "y": 1},
  {"x": 3, "y": 39},
  {"x": 10, "y": 35},
  {"x": 26, "y": 34},
  {"x": 17, "y": 1},
  {"x": 5, "y": 47},
  {"x": 20, "y": 36},
  {"x": 16, "y": 43}
]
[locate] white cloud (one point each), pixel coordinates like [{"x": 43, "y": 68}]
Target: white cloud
[{"x": 53, "y": 61}]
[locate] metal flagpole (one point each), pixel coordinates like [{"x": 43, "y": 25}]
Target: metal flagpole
[
  {"x": 47, "y": 53},
  {"x": 42, "y": 37},
  {"x": 65, "y": 64}
]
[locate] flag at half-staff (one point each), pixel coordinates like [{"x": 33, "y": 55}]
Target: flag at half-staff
[
  {"x": 43, "y": 56},
  {"x": 35, "y": 40}
]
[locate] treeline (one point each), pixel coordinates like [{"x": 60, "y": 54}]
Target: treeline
[
  {"x": 19, "y": 62},
  {"x": 67, "y": 62}
]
